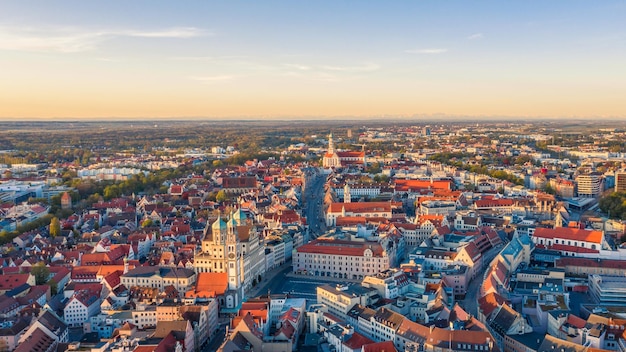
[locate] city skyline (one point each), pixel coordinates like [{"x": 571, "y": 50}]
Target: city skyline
[{"x": 148, "y": 59}]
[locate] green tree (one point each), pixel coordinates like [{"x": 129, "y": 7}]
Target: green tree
[
  {"x": 111, "y": 191},
  {"x": 54, "y": 287},
  {"x": 614, "y": 204},
  {"x": 548, "y": 189},
  {"x": 381, "y": 178},
  {"x": 55, "y": 227},
  {"x": 147, "y": 223},
  {"x": 41, "y": 272},
  {"x": 221, "y": 196},
  {"x": 374, "y": 168}
]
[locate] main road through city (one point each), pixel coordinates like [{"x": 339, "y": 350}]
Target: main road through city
[
  {"x": 313, "y": 197},
  {"x": 275, "y": 280}
]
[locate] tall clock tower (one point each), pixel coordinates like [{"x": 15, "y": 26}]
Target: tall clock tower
[{"x": 234, "y": 265}]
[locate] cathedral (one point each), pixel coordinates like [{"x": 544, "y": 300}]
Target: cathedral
[
  {"x": 232, "y": 247},
  {"x": 335, "y": 159}
]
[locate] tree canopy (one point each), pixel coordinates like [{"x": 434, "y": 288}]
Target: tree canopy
[
  {"x": 41, "y": 272},
  {"x": 614, "y": 205},
  {"x": 55, "y": 227}
]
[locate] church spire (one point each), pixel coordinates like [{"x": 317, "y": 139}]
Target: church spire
[{"x": 331, "y": 145}]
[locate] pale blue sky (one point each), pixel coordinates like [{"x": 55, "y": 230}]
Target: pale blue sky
[{"x": 323, "y": 58}]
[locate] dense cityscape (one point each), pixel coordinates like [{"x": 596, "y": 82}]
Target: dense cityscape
[
  {"x": 312, "y": 176},
  {"x": 333, "y": 236}
]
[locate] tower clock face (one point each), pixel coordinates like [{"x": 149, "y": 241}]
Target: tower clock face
[{"x": 231, "y": 255}]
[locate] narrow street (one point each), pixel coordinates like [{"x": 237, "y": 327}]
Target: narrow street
[
  {"x": 470, "y": 303},
  {"x": 216, "y": 341}
]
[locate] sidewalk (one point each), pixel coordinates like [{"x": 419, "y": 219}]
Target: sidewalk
[
  {"x": 269, "y": 276},
  {"x": 321, "y": 278}
]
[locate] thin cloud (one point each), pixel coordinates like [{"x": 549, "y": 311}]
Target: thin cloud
[
  {"x": 475, "y": 36},
  {"x": 177, "y": 32},
  {"x": 71, "y": 40},
  {"x": 192, "y": 58},
  {"x": 312, "y": 76},
  {"x": 357, "y": 68},
  {"x": 213, "y": 78},
  {"x": 429, "y": 51},
  {"x": 108, "y": 59},
  {"x": 299, "y": 67}
]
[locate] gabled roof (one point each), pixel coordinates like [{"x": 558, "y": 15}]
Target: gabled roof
[
  {"x": 493, "y": 203},
  {"x": 490, "y": 302},
  {"x": 576, "y": 321},
  {"x": 340, "y": 247},
  {"x": 357, "y": 340},
  {"x": 52, "y": 323},
  {"x": 286, "y": 330},
  {"x": 37, "y": 341},
  {"x": 365, "y": 207},
  {"x": 113, "y": 279},
  {"x": 211, "y": 284},
  {"x": 163, "y": 328},
  {"x": 567, "y": 233},
  {"x": 504, "y": 318},
  {"x": 291, "y": 315},
  {"x": 414, "y": 185},
  {"x": 388, "y": 317},
  {"x": 8, "y": 282},
  {"x": 551, "y": 344},
  {"x": 385, "y": 346}
]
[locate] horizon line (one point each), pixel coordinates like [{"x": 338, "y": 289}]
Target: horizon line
[{"x": 437, "y": 117}]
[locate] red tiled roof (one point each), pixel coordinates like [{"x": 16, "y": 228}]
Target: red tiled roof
[
  {"x": 573, "y": 234},
  {"x": 238, "y": 182},
  {"x": 365, "y": 207},
  {"x": 385, "y": 346},
  {"x": 576, "y": 321},
  {"x": 566, "y": 248},
  {"x": 500, "y": 272},
  {"x": 406, "y": 185},
  {"x": 493, "y": 203},
  {"x": 8, "y": 282},
  {"x": 211, "y": 284},
  {"x": 586, "y": 262},
  {"x": 490, "y": 302},
  {"x": 357, "y": 341},
  {"x": 350, "y": 220},
  {"x": 287, "y": 330},
  {"x": 340, "y": 247},
  {"x": 472, "y": 251}
]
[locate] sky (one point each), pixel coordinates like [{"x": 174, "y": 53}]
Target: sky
[{"x": 313, "y": 59}]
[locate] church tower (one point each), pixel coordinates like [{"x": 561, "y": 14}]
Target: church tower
[
  {"x": 558, "y": 220},
  {"x": 331, "y": 159},
  {"x": 219, "y": 230},
  {"x": 347, "y": 197}
]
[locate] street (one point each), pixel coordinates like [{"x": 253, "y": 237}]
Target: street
[
  {"x": 272, "y": 281},
  {"x": 313, "y": 202},
  {"x": 216, "y": 341},
  {"x": 470, "y": 303}
]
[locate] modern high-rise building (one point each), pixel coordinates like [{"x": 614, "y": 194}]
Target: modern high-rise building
[
  {"x": 620, "y": 181},
  {"x": 590, "y": 185}
]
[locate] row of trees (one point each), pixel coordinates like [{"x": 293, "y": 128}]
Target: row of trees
[
  {"x": 452, "y": 159},
  {"x": 614, "y": 205}
]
